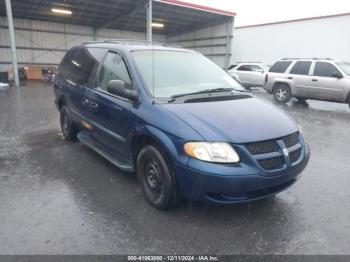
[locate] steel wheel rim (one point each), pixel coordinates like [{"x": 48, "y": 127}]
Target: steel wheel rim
[
  {"x": 152, "y": 177},
  {"x": 65, "y": 123}
]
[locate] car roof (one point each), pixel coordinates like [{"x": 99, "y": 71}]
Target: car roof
[{"x": 127, "y": 46}]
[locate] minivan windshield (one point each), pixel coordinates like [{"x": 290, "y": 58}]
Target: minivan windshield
[
  {"x": 345, "y": 66},
  {"x": 168, "y": 73}
]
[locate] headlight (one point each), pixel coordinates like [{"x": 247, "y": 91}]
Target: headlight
[{"x": 218, "y": 152}]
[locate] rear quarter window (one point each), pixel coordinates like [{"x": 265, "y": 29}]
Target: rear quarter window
[
  {"x": 77, "y": 65},
  {"x": 280, "y": 66},
  {"x": 231, "y": 67}
]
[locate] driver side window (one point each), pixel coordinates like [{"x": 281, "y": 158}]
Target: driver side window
[{"x": 113, "y": 68}]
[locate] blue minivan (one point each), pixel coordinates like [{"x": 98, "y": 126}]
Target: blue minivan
[{"x": 179, "y": 121}]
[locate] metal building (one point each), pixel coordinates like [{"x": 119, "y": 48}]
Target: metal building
[
  {"x": 45, "y": 30},
  {"x": 326, "y": 36}
]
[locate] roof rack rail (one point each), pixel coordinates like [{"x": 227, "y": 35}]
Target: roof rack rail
[
  {"x": 303, "y": 58},
  {"x": 250, "y": 62},
  {"x": 124, "y": 41}
]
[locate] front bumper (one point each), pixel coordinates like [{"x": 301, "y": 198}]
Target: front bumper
[{"x": 230, "y": 184}]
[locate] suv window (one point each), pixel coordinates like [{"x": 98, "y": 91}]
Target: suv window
[
  {"x": 325, "y": 69},
  {"x": 280, "y": 66},
  {"x": 113, "y": 68},
  {"x": 245, "y": 68},
  {"x": 301, "y": 68},
  {"x": 77, "y": 65},
  {"x": 256, "y": 68}
]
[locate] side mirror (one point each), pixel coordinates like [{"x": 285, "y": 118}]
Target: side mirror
[
  {"x": 337, "y": 75},
  {"x": 117, "y": 87}
]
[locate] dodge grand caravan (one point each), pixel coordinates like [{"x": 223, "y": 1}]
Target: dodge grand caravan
[{"x": 179, "y": 121}]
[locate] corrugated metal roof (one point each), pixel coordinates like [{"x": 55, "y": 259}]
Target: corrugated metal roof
[{"x": 177, "y": 16}]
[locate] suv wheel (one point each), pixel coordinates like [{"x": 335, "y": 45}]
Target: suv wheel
[
  {"x": 156, "y": 178},
  {"x": 281, "y": 93},
  {"x": 68, "y": 128}
]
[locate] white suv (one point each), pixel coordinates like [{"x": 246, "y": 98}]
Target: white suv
[
  {"x": 320, "y": 79},
  {"x": 249, "y": 74}
]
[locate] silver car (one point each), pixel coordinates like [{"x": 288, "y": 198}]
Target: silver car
[
  {"x": 315, "y": 78},
  {"x": 249, "y": 74}
]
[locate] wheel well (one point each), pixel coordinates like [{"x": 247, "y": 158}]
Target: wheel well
[
  {"x": 140, "y": 141},
  {"x": 61, "y": 102},
  {"x": 279, "y": 83}
]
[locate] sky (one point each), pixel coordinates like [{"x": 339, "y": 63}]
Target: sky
[{"x": 251, "y": 12}]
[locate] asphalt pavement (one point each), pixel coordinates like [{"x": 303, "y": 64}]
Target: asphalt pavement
[{"x": 58, "y": 197}]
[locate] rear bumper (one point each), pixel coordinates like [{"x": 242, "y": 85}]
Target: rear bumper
[{"x": 244, "y": 185}]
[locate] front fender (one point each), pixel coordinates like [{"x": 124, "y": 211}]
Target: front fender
[{"x": 170, "y": 143}]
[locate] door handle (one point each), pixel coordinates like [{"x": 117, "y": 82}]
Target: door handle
[
  {"x": 94, "y": 105},
  {"x": 85, "y": 101},
  {"x": 289, "y": 77},
  {"x": 314, "y": 80}
]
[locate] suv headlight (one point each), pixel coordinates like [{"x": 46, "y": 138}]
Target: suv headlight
[{"x": 218, "y": 152}]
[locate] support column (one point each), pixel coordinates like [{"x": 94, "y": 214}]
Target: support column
[
  {"x": 149, "y": 20},
  {"x": 13, "y": 41},
  {"x": 229, "y": 38},
  {"x": 94, "y": 34}
]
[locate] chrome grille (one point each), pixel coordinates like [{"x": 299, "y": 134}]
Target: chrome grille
[{"x": 271, "y": 163}]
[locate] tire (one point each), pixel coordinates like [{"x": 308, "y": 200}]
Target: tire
[
  {"x": 282, "y": 93},
  {"x": 348, "y": 99},
  {"x": 301, "y": 99},
  {"x": 156, "y": 178},
  {"x": 68, "y": 128}
]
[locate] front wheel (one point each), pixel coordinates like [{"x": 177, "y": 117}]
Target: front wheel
[
  {"x": 282, "y": 93},
  {"x": 156, "y": 178}
]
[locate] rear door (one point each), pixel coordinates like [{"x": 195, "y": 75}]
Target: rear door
[
  {"x": 300, "y": 74},
  {"x": 326, "y": 86},
  {"x": 258, "y": 75},
  {"x": 245, "y": 74},
  {"x": 108, "y": 113}
]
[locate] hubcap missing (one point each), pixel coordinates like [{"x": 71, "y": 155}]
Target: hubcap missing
[{"x": 152, "y": 175}]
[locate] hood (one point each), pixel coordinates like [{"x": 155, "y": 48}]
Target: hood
[{"x": 237, "y": 121}]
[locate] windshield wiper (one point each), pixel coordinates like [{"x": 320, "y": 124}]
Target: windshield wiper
[{"x": 206, "y": 91}]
